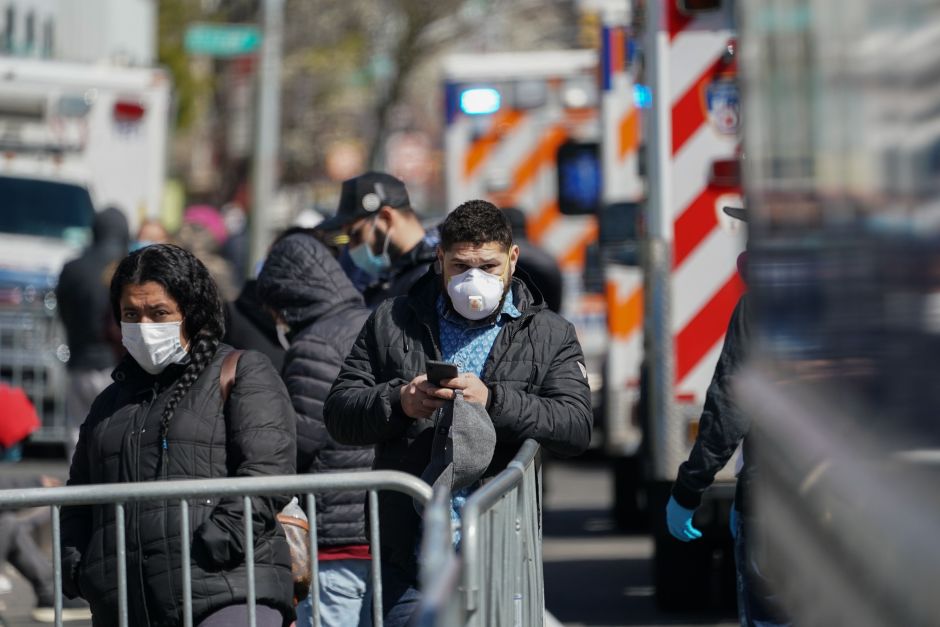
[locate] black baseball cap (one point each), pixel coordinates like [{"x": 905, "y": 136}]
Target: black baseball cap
[{"x": 364, "y": 195}]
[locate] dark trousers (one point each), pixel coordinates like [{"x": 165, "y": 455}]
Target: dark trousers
[
  {"x": 237, "y": 616},
  {"x": 400, "y": 596},
  {"x": 757, "y": 604}
]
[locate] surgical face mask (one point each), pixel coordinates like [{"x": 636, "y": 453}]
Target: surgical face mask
[
  {"x": 282, "y": 331},
  {"x": 153, "y": 345},
  {"x": 368, "y": 261},
  {"x": 476, "y": 294}
]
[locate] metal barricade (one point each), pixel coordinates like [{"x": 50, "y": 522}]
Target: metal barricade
[
  {"x": 32, "y": 357},
  {"x": 497, "y": 579},
  {"x": 119, "y": 495},
  {"x": 502, "y": 547},
  {"x": 440, "y": 568}
]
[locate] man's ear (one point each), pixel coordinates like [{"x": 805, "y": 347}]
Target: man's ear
[
  {"x": 439, "y": 262},
  {"x": 513, "y": 258},
  {"x": 387, "y": 215}
]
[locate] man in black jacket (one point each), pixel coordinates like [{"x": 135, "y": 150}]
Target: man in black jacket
[
  {"x": 723, "y": 427},
  {"x": 519, "y": 360},
  {"x": 82, "y": 297},
  {"x": 386, "y": 239},
  {"x": 303, "y": 285}
]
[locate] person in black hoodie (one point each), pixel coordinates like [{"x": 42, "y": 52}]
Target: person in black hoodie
[
  {"x": 321, "y": 313},
  {"x": 82, "y": 301},
  {"x": 249, "y": 326},
  {"x": 163, "y": 418}
]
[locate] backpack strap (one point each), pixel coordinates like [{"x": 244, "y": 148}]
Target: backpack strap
[{"x": 227, "y": 374}]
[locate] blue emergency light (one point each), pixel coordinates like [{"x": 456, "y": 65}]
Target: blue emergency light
[
  {"x": 480, "y": 101},
  {"x": 642, "y": 96}
]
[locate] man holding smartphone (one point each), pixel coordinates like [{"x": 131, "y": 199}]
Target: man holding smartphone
[{"x": 513, "y": 356}]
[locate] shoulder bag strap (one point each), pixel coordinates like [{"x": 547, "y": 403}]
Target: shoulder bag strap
[{"x": 227, "y": 374}]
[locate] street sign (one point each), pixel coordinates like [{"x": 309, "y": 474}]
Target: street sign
[{"x": 222, "y": 40}]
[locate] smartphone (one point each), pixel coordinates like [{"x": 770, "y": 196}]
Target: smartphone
[{"x": 440, "y": 371}]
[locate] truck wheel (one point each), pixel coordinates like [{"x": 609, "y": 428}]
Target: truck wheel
[{"x": 629, "y": 510}]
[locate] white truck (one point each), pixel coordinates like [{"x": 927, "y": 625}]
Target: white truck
[{"x": 73, "y": 139}]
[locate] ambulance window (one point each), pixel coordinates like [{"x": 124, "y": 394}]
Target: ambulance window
[
  {"x": 44, "y": 208},
  {"x": 579, "y": 178}
]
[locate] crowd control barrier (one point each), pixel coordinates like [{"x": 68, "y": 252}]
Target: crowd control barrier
[
  {"x": 119, "y": 495},
  {"x": 495, "y": 579}
]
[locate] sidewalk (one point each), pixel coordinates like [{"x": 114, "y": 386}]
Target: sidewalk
[{"x": 16, "y": 605}]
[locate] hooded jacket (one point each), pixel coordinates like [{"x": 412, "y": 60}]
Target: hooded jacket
[
  {"x": 535, "y": 373},
  {"x": 82, "y": 293},
  {"x": 307, "y": 287},
  {"x": 120, "y": 442},
  {"x": 249, "y": 326}
]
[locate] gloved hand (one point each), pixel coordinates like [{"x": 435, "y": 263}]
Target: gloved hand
[
  {"x": 679, "y": 521},
  {"x": 734, "y": 521}
]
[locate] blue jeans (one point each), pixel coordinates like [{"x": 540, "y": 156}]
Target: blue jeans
[
  {"x": 757, "y": 605},
  {"x": 345, "y": 595}
]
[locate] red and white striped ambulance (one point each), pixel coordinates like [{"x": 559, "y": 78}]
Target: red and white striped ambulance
[{"x": 691, "y": 279}]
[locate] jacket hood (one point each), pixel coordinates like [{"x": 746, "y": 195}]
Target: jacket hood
[
  {"x": 303, "y": 282},
  {"x": 110, "y": 229}
]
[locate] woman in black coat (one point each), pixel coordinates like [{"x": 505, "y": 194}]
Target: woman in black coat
[{"x": 163, "y": 419}]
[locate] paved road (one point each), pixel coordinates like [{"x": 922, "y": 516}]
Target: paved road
[{"x": 593, "y": 576}]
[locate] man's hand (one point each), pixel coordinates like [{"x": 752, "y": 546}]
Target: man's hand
[
  {"x": 419, "y": 398},
  {"x": 474, "y": 390},
  {"x": 49, "y": 481},
  {"x": 679, "y": 521}
]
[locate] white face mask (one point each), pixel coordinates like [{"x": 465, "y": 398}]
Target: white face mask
[
  {"x": 282, "y": 331},
  {"x": 153, "y": 345},
  {"x": 475, "y": 294}
]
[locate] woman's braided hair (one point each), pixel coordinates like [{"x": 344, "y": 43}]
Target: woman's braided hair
[{"x": 188, "y": 282}]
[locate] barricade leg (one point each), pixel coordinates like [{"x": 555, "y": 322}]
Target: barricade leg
[
  {"x": 314, "y": 594},
  {"x": 374, "y": 540},
  {"x": 57, "y": 564},
  {"x": 187, "y": 566},
  {"x": 250, "y": 562},
  {"x": 121, "y": 564}
]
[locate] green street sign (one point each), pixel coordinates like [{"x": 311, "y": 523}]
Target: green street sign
[{"x": 222, "y": 40}]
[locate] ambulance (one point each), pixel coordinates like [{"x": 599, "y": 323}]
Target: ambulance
[{"x": 74, "y": 139}]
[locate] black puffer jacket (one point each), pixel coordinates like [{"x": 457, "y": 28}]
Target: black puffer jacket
[
  {"x": 309, "y": 289},
  {"x": 119, "y": 442},
  {"x": 535, "y": 373}
]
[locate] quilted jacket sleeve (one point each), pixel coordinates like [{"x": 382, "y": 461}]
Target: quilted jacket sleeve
[
  {"x": 76, "y": 521},
  {"x": 361, "y": 408},
  {"x": 261, "y": 434},
  {"x": 559, "y": 417},
  {"x": 722, "y": 426}
]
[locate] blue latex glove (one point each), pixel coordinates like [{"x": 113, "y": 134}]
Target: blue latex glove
[
  {"x": 679, "y": 521},
  {"x": 734, "y": 521}
]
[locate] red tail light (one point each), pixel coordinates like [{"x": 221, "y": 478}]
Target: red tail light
[
  {"x": 725, "y": 173},
  {"x": 128, "y": 111}
]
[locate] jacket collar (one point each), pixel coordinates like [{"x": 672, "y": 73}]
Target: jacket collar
[{"x": 131, "y": 375}]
